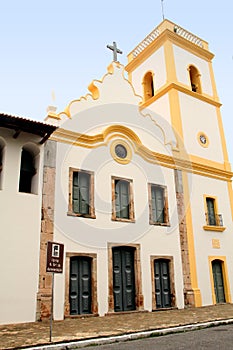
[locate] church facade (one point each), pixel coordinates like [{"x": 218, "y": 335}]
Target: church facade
[
  {"x": 143, "y": 198},
  {"x": 137, "y": 186}
]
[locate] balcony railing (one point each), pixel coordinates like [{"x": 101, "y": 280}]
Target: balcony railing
[
  {"x": 166, "y": 25},
  {"x": 214, "y": 220}
]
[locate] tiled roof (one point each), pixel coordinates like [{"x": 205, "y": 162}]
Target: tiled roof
[{"x": 27, "y": 125}]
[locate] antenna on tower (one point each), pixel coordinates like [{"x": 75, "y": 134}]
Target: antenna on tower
[{"x": 162, "y": 9}]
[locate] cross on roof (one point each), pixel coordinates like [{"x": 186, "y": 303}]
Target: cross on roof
[{"x": 115, "y": 50}]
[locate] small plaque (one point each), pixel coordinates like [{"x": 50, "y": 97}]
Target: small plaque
[{"x": 215, "y": 243}]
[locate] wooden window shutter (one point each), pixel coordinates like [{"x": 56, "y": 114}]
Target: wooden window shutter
[
  {"x": 81, "y": 192},
  {"x": 122, "y": 199},
  {"x": 159, "y": 203}
]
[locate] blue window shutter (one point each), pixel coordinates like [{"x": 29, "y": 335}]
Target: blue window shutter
[
  {"x": 81, "y": 190},
  {"x": 122, "y": 199},
  {"x": 157, "y": 204}
]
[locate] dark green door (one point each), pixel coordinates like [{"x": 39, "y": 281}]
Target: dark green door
[
  {"x": 80, "y": 285},
  {"x": 218, "y": 281},
  {"x": 162, "y": 283},
  {"x": 123, "y": 279}
]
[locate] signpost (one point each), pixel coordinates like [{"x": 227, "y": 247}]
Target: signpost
[{"x": 54, "y": 264}]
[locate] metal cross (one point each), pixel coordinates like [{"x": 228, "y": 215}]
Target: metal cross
[{"x": 115, "y": 50}]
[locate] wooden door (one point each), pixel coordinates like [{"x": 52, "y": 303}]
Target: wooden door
[
  {"x": 162, "y": 283},
  {"x": 218, "y": 281},
  {"x": 123, "y": 279},
  {"x": 80, "y": 285}
]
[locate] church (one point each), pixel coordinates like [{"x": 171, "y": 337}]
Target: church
[{"x": 134, "y": 180}]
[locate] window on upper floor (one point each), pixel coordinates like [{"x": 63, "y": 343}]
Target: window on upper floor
[
  {"x": 214, "y": 220},
  {"x": 122, "y": 199},
  {"x": 212, "y": 216},
  {"x": 158, "y": 205},
  {"x": 81, "y": 193},
  {"x": 195, "y": 81},
  {"x": 148, "y": 86},
  {"x": 27, "y": 171}
]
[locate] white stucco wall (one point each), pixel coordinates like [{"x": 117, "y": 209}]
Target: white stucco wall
[
  {"x": 183, "y": 59},
  {"x": 201, "y": 186},
  {"x": 19, "y": 239},
  {"x": 82, "y": 235},
  {"x": 156, "y": 64},
  {"x": 198, "y": 116}
]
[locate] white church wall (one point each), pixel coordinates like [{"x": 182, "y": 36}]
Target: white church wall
[
  {"x": 183, "y": 59},
  {"x": 156, "y": 64},
  {"x": 197, "y": 117},
  {"x": 82, "y": 235}
]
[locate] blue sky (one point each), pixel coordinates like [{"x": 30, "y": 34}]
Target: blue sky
[{"x": 60, "y": 46}]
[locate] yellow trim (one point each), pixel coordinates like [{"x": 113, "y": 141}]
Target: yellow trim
[
  {"x": 175, "y": 114},
  {"x": 191, "y": 164},
  {"x": 168, "y": 35},
  {"x": 225, "y": 278},
  {"x": 214, "y": 228},
  {"x": 223, "y": 141},
  {"x": 190, "y": 241},
  {"x": 181, "y": 88},
  {"x": 208, "y": 162},
  {"x": 205, "y": 145},
  {"x": 146, "y": 85},
  {"x": 215, "y": 203},
  {"x": 230, "y": 191},
  {"x": 215, "y": 94},
  {"x": 125, "y": 160},
  {"x": 170, "y": 62}
]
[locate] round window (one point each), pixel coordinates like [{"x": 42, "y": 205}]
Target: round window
[
  {"x": 203, "y": 139},
  {"x": 120, "y": 151}
]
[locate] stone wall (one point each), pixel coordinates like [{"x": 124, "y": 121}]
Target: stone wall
[{"x": 44, "y": 295}]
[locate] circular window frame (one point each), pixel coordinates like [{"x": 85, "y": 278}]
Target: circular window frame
[
  {"x": 118, "y": 159},
  {"x": 205, "y": 145}
]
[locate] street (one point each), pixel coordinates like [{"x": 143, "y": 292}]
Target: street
[{"x": 216, "y": 338}]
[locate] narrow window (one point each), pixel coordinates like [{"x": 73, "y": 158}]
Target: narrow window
[
  {"x": 194, "y": 76},
  {"x": 81, "y": 195},
  {"x": 27, "y": 171},
  {"x": 148, "y": 85},
  {"x": 211, "y": 215},
  {"x": 122, "y": 200},
  {"x": 158, "y": 203}
]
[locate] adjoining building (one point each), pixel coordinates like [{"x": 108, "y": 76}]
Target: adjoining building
[{"x": 21, "y": 172}]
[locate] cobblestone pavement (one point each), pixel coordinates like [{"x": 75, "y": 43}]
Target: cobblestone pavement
[{"x": 23, "y": 335}]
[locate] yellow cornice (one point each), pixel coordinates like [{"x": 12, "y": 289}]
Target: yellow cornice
[
  {"x": 176, "y": 40},
  {"x": 181, "y": 88},
  {"x": 191, "y": 164}
]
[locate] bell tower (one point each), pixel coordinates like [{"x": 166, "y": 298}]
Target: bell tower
[{"x": 172, "y": 70}]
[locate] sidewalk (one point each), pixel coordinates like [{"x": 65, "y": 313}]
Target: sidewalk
[{"x": 28, "y": 334}]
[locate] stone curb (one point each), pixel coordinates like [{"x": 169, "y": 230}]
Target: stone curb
[{"x": 125, "y": 337}]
